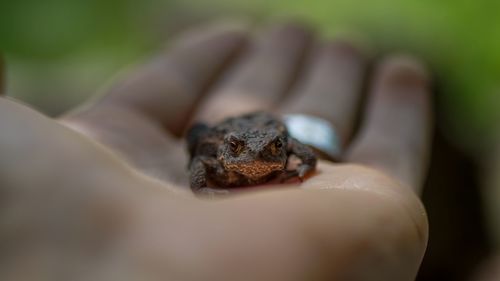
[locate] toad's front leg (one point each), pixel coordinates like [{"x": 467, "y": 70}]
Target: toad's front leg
[
  {"x": 307, "y": 157},
  {"x": 198, "y": 179}
]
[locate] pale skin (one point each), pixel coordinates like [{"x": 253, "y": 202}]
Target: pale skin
[{"x": 101, "y": 193}]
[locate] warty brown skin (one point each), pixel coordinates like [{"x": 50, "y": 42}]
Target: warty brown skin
[{"x": 245, "y": 150}]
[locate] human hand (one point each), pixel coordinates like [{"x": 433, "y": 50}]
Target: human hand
[{"x": 356, "y": 220}]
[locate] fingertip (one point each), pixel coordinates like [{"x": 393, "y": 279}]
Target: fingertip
[
  {"x": 403, "y": 70},
  {"x": 291, "y": 26},
  {"x": 227, "y": 31},
  {"x": 344, "y": 53},
  {"x": 289, "y": 31},
  {"x": 346, "y": 47}
]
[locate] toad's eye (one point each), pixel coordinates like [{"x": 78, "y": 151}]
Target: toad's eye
[
  {"x": 235, "y": 146},
  {"x": 278, "y": 144},
  {"x": 276, "y": 147}
]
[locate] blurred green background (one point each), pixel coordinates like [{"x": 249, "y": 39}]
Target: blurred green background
[{"x": 61, "y": 51}]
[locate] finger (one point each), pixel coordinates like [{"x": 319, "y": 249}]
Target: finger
[
  {"x": 395, "y": 134},
  {"x": 262, "y": 76},
  {"x": 332, "y": 88},
  {"x": 168, "y": 88}
]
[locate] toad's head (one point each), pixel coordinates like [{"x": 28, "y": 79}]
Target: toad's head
[{"x": 254, "y": 153}]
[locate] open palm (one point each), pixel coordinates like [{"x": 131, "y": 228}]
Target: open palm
[{"x": 356, "y": 220}]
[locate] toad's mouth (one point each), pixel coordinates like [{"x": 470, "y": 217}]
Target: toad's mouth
[{"x": 256, "y": 169}]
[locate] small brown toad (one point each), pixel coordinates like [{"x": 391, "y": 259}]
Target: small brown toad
[{"x": 245, "y": 150}]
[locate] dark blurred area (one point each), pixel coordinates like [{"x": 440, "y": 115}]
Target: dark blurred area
[
  {"x": 60, "y": 52},
  {"x": 459, "y": 242}
]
